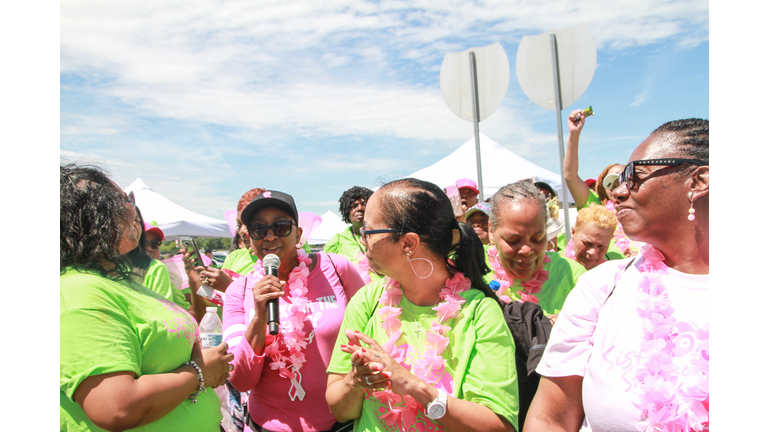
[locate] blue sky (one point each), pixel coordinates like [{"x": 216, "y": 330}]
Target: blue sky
[{"x": 205, "y": 100}]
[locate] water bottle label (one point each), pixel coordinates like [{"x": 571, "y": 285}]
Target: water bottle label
[{"x": 211, "y": 339}]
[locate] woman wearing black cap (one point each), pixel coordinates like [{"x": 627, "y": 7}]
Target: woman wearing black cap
[{"x": 285, "y": 373}]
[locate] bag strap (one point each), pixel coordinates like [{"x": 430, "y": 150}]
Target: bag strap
[
  {"x": 334, "y": 269},
  {"x": 351, "y": 229},
  {"x": 617, "y": 280}
]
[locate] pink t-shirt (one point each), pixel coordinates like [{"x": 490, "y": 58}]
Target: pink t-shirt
[
  {"x": 600, "y": 340},
  {"x": 274, "y": 403}
]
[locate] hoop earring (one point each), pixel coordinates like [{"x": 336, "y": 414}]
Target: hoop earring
[
  {"x": 691, "y": 211},
  {"x": 410, "y": 261}
]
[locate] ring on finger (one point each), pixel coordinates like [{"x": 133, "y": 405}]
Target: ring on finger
[
  {"x": 368, "y": 380},
  {"x": 377, "y": 355}
]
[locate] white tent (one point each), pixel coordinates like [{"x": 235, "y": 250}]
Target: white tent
[
  {"x": 500, "y": 167},
  {"x": 174, "y": 220},
  {"x": 330, "y": 226}
]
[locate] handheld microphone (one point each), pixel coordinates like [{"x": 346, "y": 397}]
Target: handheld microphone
[{"x": 271, "y": 264}]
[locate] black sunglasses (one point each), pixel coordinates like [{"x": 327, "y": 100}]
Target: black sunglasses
[
  {"x": 154, "y": 244},
  {"x": 630, "y": 176},
  {"x": 364, "y": 233},
  {"x": 281, "y": 228}
]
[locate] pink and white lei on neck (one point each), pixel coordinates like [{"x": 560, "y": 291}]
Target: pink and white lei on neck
[
  {"x": 530, "y": 286},
  {"x": 404, "y": 409},
  {"x": 673, "y": 360},
  {"x": 285, "y": 349}
]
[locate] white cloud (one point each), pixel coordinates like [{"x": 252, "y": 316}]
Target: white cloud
[
  {"x": 308, "y": 69},
  {"x": 639, "y": 99}
]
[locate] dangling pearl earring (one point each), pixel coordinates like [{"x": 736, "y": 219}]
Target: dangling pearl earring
[{"x": 691, "y": 211}]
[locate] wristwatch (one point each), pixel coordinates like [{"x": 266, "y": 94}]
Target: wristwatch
[{"x": 436, "y": 409}]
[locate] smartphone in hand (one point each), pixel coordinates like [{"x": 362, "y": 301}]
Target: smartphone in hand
[{"x": 190, "y": 245}]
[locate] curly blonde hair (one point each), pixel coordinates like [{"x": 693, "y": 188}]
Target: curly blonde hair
[{"x": 597, "y": 215}]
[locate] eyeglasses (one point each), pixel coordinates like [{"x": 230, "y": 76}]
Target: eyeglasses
[
  {"x": 281, "y": 228},
  {"x": 154, "y": 244},
  {"x": 630, "y": 176},
  {"x": 364, "y": 233}
]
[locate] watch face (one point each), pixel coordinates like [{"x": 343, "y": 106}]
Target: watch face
[{"x": 436, "y": 410}]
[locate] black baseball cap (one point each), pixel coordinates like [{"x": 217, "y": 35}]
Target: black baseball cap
[{"x": 266, "y": 199}]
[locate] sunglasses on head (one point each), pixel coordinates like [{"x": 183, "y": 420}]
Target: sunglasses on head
[
  {"x": 630, "y": 176},
  {"x": 281, "y": 228},
  {"x": 154, "y": 244}
]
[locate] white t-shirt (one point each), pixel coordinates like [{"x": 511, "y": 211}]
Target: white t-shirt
[{"x": 605, "y": 351}]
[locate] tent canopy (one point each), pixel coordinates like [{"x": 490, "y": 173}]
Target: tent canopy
[
  {"x": 331, "y": 225},
  {"x": 500, "y": 167},
  {"x": 173, "y": 219}
]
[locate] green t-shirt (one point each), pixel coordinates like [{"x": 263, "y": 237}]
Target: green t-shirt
[
  {"x": 240, "y": 261},
  {"x": 159, "y": 280},
  {"x": 563, "y": 275},
  {"x": 592, "y": 198},
  {"x": 480, "y": 358},
  {"x": 108, "y": 326},
  {"x": 348, "y": 245}
]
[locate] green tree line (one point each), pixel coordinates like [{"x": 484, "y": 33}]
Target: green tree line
[{"x": 215, "y": 244}]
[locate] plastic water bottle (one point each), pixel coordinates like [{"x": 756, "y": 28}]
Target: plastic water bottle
[{"x": 211, "y": 329}]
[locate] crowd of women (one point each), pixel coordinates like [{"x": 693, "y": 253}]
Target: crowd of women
[{"x": 399, "y": 324}]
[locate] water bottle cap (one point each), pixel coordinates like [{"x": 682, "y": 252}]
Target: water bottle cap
[
  {"x": 212, "y": 309},
  {"x": 494, "y": 285}
]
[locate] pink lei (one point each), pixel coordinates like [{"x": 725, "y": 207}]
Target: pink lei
[
  {"x": 286, "y": 348},
  {"x": 530, "y": 286},
  {"x": 673, "y": 360},
  {"x": 404, "y": 409}
]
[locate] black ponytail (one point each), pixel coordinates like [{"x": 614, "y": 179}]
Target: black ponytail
[
  {"x": 469, "y": 258},
  {"x": 423, "y": 208}
]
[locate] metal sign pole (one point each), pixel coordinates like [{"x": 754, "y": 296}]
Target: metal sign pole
[
  {"x": 475, "y": 117},
  {"x": 558, "y": 108}
]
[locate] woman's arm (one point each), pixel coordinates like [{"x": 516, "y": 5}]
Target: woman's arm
[
  {"x": 248, "y": 342},
  {"x": 557, "y": 405},
  {"x": 461, "y": 415},
  {"x": 344, "y": 397},
  {"x": 119, "y": 401},
  {"x": 579, "y": 189}
]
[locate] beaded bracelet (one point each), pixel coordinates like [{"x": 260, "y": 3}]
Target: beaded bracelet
[{"x": 201, "y": 387}]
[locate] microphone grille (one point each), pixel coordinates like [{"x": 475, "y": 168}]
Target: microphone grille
[{"x": 271, "y": 260}]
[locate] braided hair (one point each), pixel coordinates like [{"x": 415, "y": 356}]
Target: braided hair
[
  {"x": 423, "y": 208},
  {"x": 350, "y": 196},
  {"x": 693, "y": 137},
  {"x": 518, "y": 191}
]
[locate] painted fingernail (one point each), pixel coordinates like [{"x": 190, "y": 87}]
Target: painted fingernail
[
  {"x": 362, "y": 349},
  {"x": 343, "y": 345},
  {"x": 387, "y": 374},
  {"x": 389, "y": 383},
  {"x": 357, "y": 332}
]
